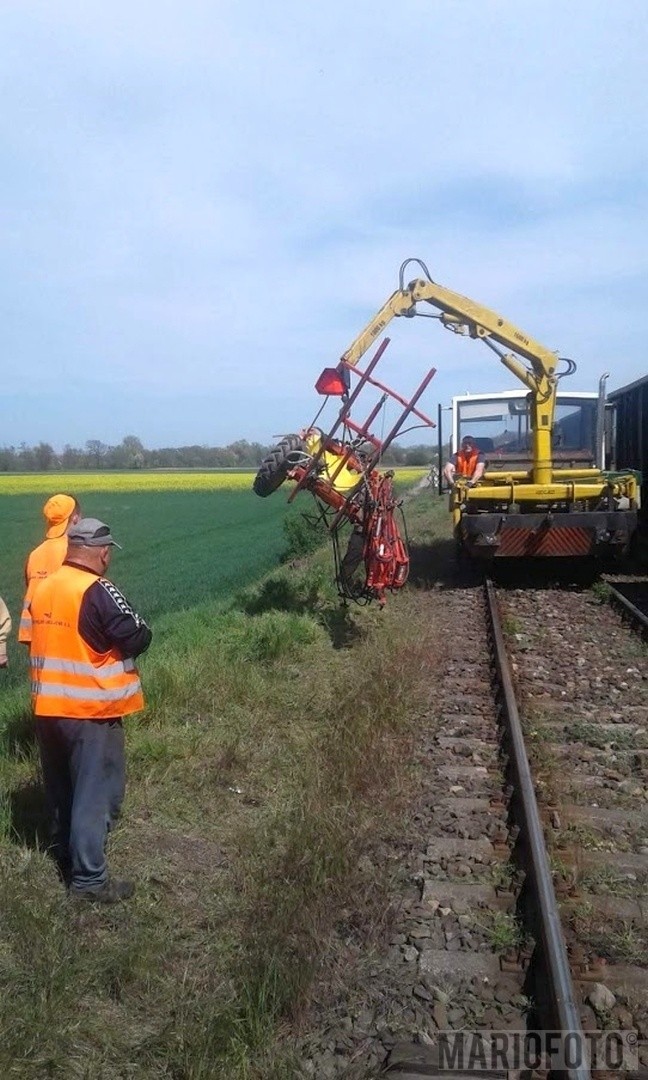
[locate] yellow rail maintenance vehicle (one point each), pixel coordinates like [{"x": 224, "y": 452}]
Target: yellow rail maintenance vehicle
[{"x": 545, "y": 503}]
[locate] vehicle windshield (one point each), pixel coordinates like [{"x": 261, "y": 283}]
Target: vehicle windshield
[{"x": 503, "y": 425}]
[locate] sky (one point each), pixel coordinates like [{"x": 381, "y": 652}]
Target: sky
[{"x": 203, "y": 203}]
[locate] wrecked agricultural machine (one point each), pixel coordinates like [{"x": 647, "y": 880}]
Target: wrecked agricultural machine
[{"x": 340, "y": 470}]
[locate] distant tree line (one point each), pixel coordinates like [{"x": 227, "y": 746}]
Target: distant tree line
[{"x": 132, "y": 454}]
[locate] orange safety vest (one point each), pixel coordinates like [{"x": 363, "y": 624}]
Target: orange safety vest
[
  {"x": 467, "y": 462},
  {"x": 68, "y": 677},
  {"x": 42, "y": 562}
]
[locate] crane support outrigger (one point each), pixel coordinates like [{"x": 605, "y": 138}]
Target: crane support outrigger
[{"x": 544, "y": 510}]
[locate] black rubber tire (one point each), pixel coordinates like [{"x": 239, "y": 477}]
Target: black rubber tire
[{"x": 275, "y": 466}]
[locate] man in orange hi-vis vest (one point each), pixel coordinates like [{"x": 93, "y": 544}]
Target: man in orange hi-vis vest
[
  {"x": 85, "y": 636},
  {"x": 468, "y": 462},
  {"x": 60, "y": 512}
]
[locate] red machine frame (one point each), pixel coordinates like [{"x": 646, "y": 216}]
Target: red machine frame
[{"x": 369, "y": 505}]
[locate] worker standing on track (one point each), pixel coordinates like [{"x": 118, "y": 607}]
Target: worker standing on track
[
  {"x": 60, "y": 512},
  {"x": 85, "y": 636},
  {"x": 468, "y": 462}
]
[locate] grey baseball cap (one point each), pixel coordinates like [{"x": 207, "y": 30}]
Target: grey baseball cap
[{"x": 90, "y": 532}]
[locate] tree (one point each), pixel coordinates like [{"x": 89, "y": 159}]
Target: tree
[
  {"x": 44, "y": 456},
  {"x": 134, "y": 452},
  {"x": 418, "y": 455},
  {"x": 96, "y": 452},
  {"x": 26, "y": 458},
  {"x": 71, "y": 458},
  {"x": 8, "y": 460}
]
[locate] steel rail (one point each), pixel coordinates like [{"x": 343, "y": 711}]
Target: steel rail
[
  {"x": 553, "y": 942},
  {"x": 637, "y": 615}
]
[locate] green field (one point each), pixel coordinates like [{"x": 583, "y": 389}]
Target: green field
[{"x": 180, "y": 548}]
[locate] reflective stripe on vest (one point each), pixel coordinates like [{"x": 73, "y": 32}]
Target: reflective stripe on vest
[
  {"x": 25, "y": 625},
  {"x": 467, "y": 463},
  {"x": 73, "y": 667},
  {"x": 68, "y": 677},
  {"x": 74, "y": 693}
]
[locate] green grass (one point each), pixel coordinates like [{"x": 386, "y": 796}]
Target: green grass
[
  {"x": 608, "y": 882},
  {"x": 600, "y": 591},
  {"x": 503, "y": 931},
  {"x": 273, "y": 751},
  {"x": 591, "y": 735},
  {"x": 617, "y": 940},
  {"x": 510, "y": 626}
]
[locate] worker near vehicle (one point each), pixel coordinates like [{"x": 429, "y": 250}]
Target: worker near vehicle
[
  {"x": 468, "y": 463},
  {"x": 60, "y": 511},
  {"x": 85, "y": 636},
  {"x": 5, "y": 630}
]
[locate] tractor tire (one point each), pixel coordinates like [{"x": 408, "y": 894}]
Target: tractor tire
[{"x": 274, "y": 468}]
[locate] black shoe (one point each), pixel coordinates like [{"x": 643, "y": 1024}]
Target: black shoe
[
  {"x": 110, "y": 893},
  {"x": 64, "y": 870}
]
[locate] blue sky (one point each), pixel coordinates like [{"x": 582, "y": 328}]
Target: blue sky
[{"x": 204, "y": 203}]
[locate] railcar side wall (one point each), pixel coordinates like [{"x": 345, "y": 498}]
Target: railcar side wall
[{"x": 631, "y": 405}]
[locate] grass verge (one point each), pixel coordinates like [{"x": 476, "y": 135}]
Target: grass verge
[{"x": 272, "y": 754}]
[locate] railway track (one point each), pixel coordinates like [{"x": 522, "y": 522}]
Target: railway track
[
  {"x": 582, "y": 688},
  {"x": 632, "y": 598},
  {"x": 525, "y": 882}
]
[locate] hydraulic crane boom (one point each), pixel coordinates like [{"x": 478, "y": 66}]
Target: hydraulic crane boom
[{"x": 464, "y": 316}]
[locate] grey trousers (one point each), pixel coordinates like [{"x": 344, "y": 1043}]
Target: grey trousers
[{"x": 84, "y": 774}]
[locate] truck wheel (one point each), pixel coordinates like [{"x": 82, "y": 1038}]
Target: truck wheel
[{"x": 275, "y": 466}]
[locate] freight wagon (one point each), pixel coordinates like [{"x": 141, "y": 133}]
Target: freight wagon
[{"x": 627, "y": 433}]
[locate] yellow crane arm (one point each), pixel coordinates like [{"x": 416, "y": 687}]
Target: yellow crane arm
[
  {"x": 460, "y": 314},
  {"x": 464, "y": 316}
]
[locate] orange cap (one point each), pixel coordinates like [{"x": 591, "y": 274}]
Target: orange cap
[{"x": 58, "y": 511}]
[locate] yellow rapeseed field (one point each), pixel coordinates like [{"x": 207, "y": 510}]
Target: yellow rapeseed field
[{"x": 46, "y": 483}]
